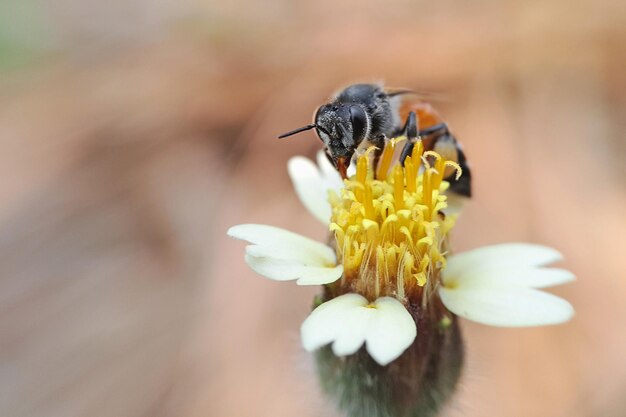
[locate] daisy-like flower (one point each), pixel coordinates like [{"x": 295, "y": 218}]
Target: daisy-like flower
[
  {"x": 391, "y": 250},
  {"x": 390, "y": 284}
]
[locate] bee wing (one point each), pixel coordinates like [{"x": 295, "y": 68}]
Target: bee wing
[{"x": 418, "y": 94}]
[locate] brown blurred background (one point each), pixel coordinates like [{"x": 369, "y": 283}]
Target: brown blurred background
[{"x": 134, "y": 133}]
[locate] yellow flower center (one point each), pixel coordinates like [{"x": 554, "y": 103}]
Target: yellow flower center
[{"x": 389, "y": 225}]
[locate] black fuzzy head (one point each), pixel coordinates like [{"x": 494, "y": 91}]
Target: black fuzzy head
[{"x": 342, "y": 127}]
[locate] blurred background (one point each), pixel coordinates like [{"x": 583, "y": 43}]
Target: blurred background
[{"x": 133, "y": 133}]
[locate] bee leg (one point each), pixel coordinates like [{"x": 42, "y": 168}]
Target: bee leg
[
  {"x": 440, "y": 128},
  {"x": 410, "y": 130},
  {"x": 406, "y": 151},
  {"x": 410, "y": 127}
]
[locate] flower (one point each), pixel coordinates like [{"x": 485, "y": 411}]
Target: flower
[{"x": 389, "y": 277}]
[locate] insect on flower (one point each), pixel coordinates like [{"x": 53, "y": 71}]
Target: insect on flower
[
  {"x": 363, "y": 115},
  {"x": 386, "y": 330}
]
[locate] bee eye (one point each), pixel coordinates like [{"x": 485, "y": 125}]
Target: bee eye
[{"x": 359, "y": 123}]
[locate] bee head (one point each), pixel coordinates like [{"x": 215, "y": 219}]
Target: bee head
[{"x": 342, "y": 127}]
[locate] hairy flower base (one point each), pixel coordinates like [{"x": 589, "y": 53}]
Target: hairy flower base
[{"x": 417, "y": 384}]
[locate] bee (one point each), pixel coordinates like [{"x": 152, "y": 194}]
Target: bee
[{"x": 363, "y": 115}]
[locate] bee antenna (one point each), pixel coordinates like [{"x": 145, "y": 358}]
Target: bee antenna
[{"x": 298, "y": 130}]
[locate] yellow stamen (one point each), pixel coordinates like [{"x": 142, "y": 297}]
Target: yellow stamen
[
  {"x": 411, "y": 175},
  {"x": 361, "y": 176},
  {"x": 427, "y": 191},
  {"x": 456, "y": 167},
  {"x": 418, "y": 150},
  {"x": 398, "y": 187},
  {"x": 369, "y": 150},
  {"x": 385, "y": 162},
  {"x": 368, "y": 202},
  {"x": 389, "y": 234}
]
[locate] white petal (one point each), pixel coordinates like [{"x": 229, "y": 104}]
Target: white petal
[
  {"x": 325, "y": 323},
  {"x": 347, "y": 322},
  {"x": 507, "y": 254},
  {"x": 285, "y": 270},
  {"x": 320, "y": 276},
  {"x": 310, "y": 188},
  {"x": 391, "y": 331},
  {"x": 283, "y": 244},
  {"x": 522, "y": 276},
  {"x": 354, "y": 326},
  {"x": 506, "y": 306},
  {"x": 331, "y": 177},
  {"x": 282, "y": 255}
]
